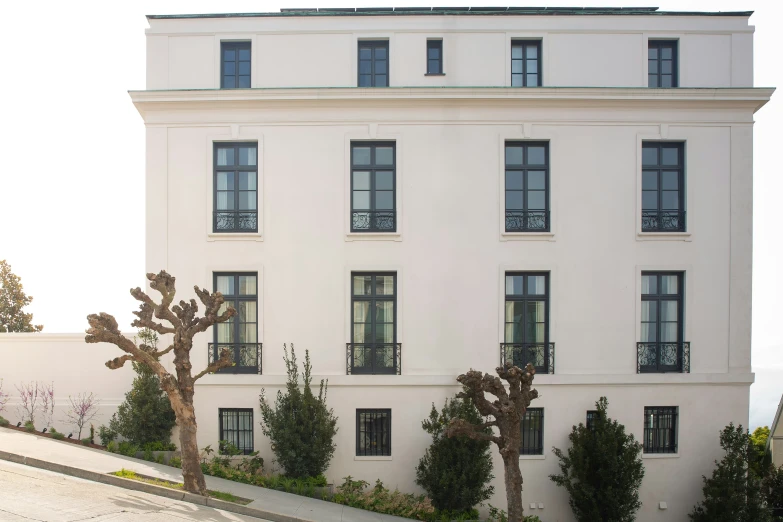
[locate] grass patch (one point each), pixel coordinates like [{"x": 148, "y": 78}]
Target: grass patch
[{"x": 220, "y": 495}]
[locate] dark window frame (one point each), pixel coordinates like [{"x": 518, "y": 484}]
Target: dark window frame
[
  {"x": 532, "y": 447},
  {"x": 372, "y": 168},
  {"x": 236, "y": 168},
  {"x": 658, "y": 297},
  {"x": 527, "y": 215},
  {"x": 661, "y": 219},
  {"x": 237, "y": 411},
  {"x": 236, "y": 46},
  {"x": 539, "y": 59},
  {"x": 236, "y": 297},
  {"x": 382, "y": 451},
  {"x": 373, "y": 45},
  {"x": 436, "y": 44},
  {"x": 590, "y": 418},
  {"x": 652, "y": 435},
  {"x": 373, "y": 299},
  {"x": 527, "y": 297},
  {"x": 659, "y": 45}
]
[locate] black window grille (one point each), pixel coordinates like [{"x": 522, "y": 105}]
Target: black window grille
[
  {"x": 527, "y": 186},
  {"x": 434, "y": 56},
  {"x": 662, "y": 323},
  {"x": 532, "y": 432},
  {"x": 374, "y": 323},
  {"x": 236, "y": 187},
  {"x": 235, "y": 65},
  {"x": 660, "y": 429},
  {"x": 240, "y": 333},
  {"x": 236, "y": 427},
  {"x": 373, "y": 432},
  {"x": 662, "y": 63},
  {"x": 526, "y": 326},
  {"x": 373, "y": 194},
  {"x": 374, "y": 63},
  {"x": 592, "y": 415},
  {"x": 526, "y": 63},
  {"x": 663, "y": 187}
]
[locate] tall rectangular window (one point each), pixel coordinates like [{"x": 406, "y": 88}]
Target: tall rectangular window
[
  {"x": 526, "y": 63},
  {"x": 527, "y": 186},
  {"x": 434, "y": 56},
  {"x": 663, "y": 186},
  {"x": 238, "y": 335},
  {"x": 373, "y": 432},
  {"x": 660, "y": 429},
  {"x": 236, "y": 427},
  {"x": 373, "y": 198},
  {"x": 527, "y": 320},
  {"x": 234, "y": 65},
  {"x": 236, "y": 190},
  {"x": 532, "y": 432},
  {"x": 373, "y": 348},
  {"x": 373, "y": 63},
  {"x": 662, "y": 63},
  {"x": 592, "y": 415},
  {"x": 661, "y": 346}
]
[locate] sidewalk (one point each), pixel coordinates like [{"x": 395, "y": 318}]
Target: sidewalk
[{"x": 288, "y": 505}]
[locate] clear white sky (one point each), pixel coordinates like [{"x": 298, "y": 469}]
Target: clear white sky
[{"x": 72, "y": 170}]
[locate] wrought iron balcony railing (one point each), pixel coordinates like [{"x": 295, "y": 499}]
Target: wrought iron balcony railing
[
  {"x": 245, "y": 356},
  {"x": 663, "y": 221},
  {"x": 540, "y": 355},
  {"x": 373, "y": 221},
  {"x": 373, "y": 358},
  {"x": 663, "y": 357},
  {"x": 527, "y": 221},
  {"x": 235, "y": 221}
]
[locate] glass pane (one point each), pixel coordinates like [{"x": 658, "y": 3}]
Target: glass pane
[
  {"x": 225, "y": 181},
  {"x": 229, "y": 68},
  {"x": 536, "y": 200},
  {"x": 433, "y": 66},
  {"x": 384, "y": 180},
  {"x": 514, "y": 200},
  {"x": 666, "y": 67},
  {"x": 384, "y": 285},
  {"x": 380, "y": 80},
  {"x": 649, "y": 284},
  {"x": 649, "y": 200},
  {"x": 244, "y": 68},
  {"x": 225, "y": 285},
  {"x": 225, "y": 333},
  {"x": 666, "y": 53},
  {"x": 649, "y": 311},
  {"x": 365, "y": 53},
  {"x": 648, "y": 333},
  {"x": 670, "y": 200},
  {"x": 247, "y": 181},
  {"x": 652, "y": 66},
  {"x": 536, "y": 155},
  {"x": 225, "y": 156},
  {"x": 362, "y": 285},
  {"x": 361, "y": 311},
  {"x": 361, "y": 332},
  {"x": 247, "y": 285},
  {"x": 669, "y": 284},
  {"x": 534, "y": 314},
  {"x": 536, "y": 285},
  {"x": 510, "y": 331},
  {"x": 532, "y": 51},
  {"x": 380, "y": 67},
  {"x": 384, "y": 200},
  {"x": 652, "y": 53},
  {"x": 516, "y": 66},
  {"x": 384, "y": 333},
  {"x": 247, "y": 314},
  {"x": 652, "y": 80},
  {"x": 380, "y": 53},
  {"x": 244, "y": 82},
  {"x": 532, "y": 66},
  {"x": 361, "y": 200},
  {"x": 669, "y": 332},
  {"x": 516, "y": 52},
  {"x": 650, "y": 180},
  {"x": 666, "y": 80},
  {"x": 229, "y": 82},
  {"x": 532, "y": 80},
  {"x": 361, "y": 155},
  {"x": 247, "y": 155},
  {"x": 649, "y": 156},
  {"x": 229, "y": 55},
  {"x": 670, "y": 156},
  {"x": 514, "y": 180},
  {"x": 244, "y": 54},
  {"x": 384, "y": 156},
  {"x": 669, "y": 310},
  {"x": 225, "y": 201},
  {"x": 433, "y": 53},
  {"x": 514, "y": 285},
  {"x": 247, "y": 200},
  {"x": 361, "y": 180},
  {"x": 514, "y": 155},
  {"x": 384, "y": 311},
  {"x": 365, "y": 80},
  {"x": 509, "y": 317},
  {"x": 365, "y": 67}
]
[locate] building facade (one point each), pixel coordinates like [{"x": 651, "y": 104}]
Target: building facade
[{"x": 409, "y": 194}]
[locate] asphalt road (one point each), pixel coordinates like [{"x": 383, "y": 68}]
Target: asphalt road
[{"x": 31, "y": 494}]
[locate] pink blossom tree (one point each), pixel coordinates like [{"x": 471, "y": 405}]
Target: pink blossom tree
[
  {"x": 4, "y": 397},
  {"x": 84, "y": 408},
  {"x": 47, "y": 403},
  {"x": 28, "y": 398}
]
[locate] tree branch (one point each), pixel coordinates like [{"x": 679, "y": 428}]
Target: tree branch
[
  {"x": 223, "y": 362},
  {"x": 472, "y": 431}
]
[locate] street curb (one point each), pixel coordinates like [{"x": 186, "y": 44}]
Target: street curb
[{"x": 160, "y": 491}]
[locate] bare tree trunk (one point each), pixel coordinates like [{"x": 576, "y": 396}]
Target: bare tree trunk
[
  {"x": 192, "y": 475},
  {"x": 513, "y": 480}
]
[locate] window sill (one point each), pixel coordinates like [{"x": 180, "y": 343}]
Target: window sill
[
  {"x": 660, "y": 455},
  {"x": 235, "y": 236},
  {"x": 434, "y": 74},
  {"x": 373, "y": 236},
  {"x": 374, "y": 457},
  {"x": 527, "y": 236},
  {"x": 663, "y": 236},
  {"x": 532, "y": 457}
]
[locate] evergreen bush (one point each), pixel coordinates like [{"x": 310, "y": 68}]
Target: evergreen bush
[
  {"x": 773, "y": 492},
  {"x": 733, "y": 494},
  {"x": 602, "y": 470},
  {"x": 300, "y": 426},
  {"x": 4, "y": 422},
  {"x": 145, "y": 415},
  {"x": 455, "y": 471},
  {"x": 106, "y": 435}
]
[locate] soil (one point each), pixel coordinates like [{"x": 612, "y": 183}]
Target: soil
[{"x": 49, "y": 435}]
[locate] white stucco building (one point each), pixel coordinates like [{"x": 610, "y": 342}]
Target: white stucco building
[{"x": 408, "y": 194}]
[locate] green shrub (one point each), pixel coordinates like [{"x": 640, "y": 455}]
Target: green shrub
[
  {"x": 455, "y": 471},
  {"x": 772, "y": 486},
  {"x": 300, "y": 426},
  {"x": 252, "y": 464},
  {"x": 106, "y": 435},
  {"x": 112, "y": 446},
  {"x": 159, "y": 458},
  {"x": 159, "y": 445},
  {"x": 58, "y": 436},
  {"x": 148, "y": 455},
  {"x": 29, "y": 426},
  {"x": 228, "y": 448},
  {"x": 380, "y": 500},
  {"x": 127, "y": 449},
  {"x": 92, "y": 434},
  {"x": 146, "y": 414},
  {"x": 602, "y": 470},
  {"x": 4, "y": 422},
  {"x": 86, "y": 441},
  {"x": 175, "y": 462}
]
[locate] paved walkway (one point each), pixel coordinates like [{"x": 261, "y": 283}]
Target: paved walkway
[
  {"x": 89, "y": 459},
  {"x": 31, "y": 494}
]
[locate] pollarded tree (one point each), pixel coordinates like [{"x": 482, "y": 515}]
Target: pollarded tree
[
  {"x": 12, "y": 303},
  {"x": 507, "y": 411},
  {"x": 184, "y": 325},
  {"x": 602, "y": 470}
]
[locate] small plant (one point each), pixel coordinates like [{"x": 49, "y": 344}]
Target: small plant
[
  {"x": 106, "y": 435},
  {"x": 29, "y": 405},
  {"x": 4, "y": 422},
  {"x": 206, "y": 452},
  {"x": 175, "y": 462},
  {"x": 380, "y": 500},
  {"x": 148, "y": 455},
  {"x": 228, "y": 448},
  {"x": 159, "y": 445},
  {"x": 127, "y": 449},
  {"x": 497, "y": 514},
  {"x": 112, "y": 446},
  {"x": 159, "y": 458},
  {"x": 86, "y": 441},
  {"x": 92, "y": 434},
  {"x": 58, "y": 435},
  {"x": 253, "y": 464},
  {"x": 84, "y": 407},
  {"x": 29, "y": 426}
]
